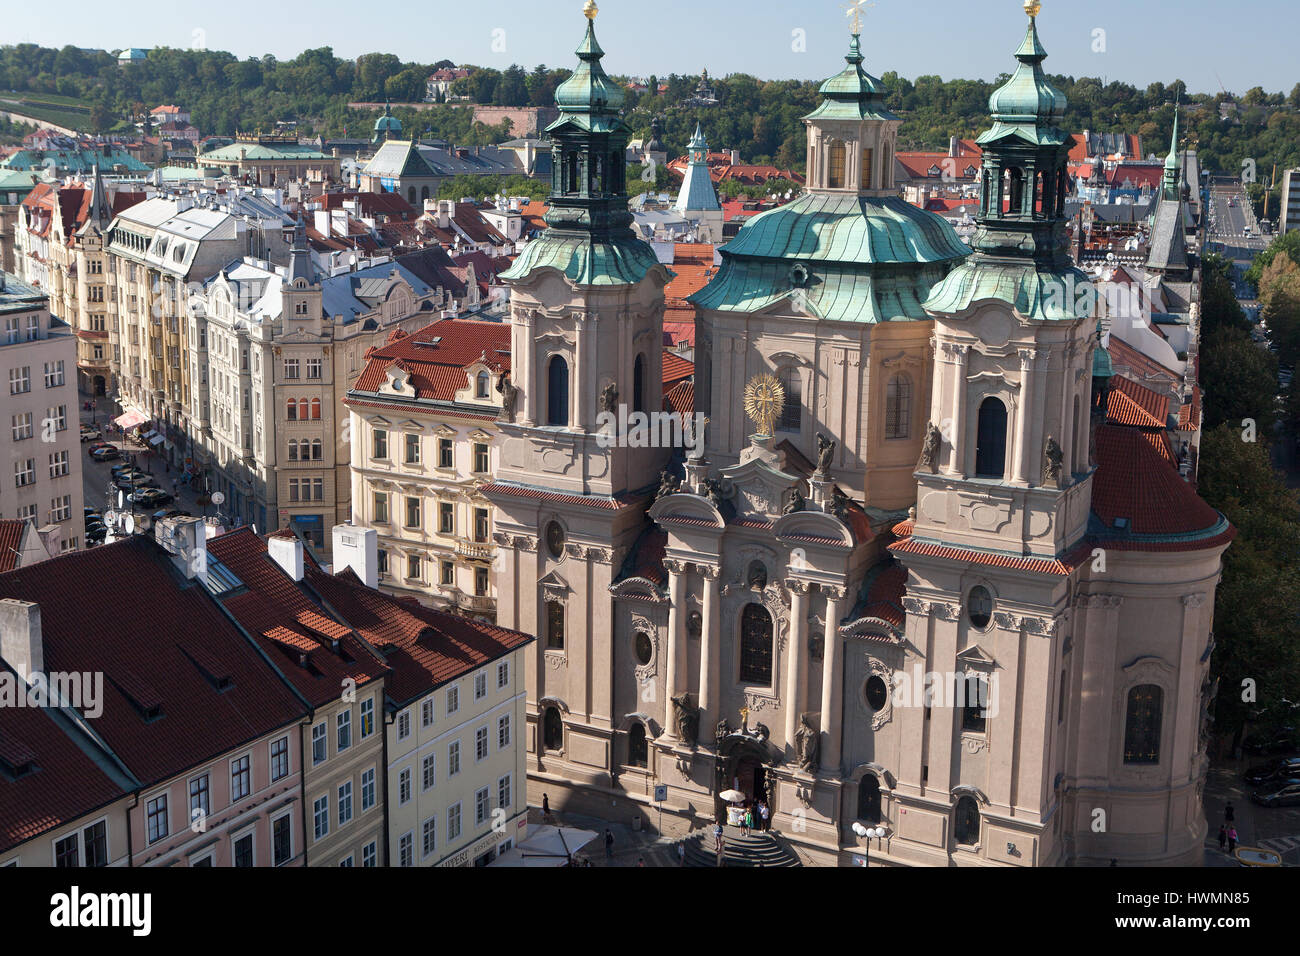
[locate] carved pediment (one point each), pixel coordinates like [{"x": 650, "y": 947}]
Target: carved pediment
[
  {"x": 974, "y": 658},
  {"x": 760, "y": 489},
  {"x": 687, "y": 507},
  {"x": 379, "y": 421},
  {"x": 813, "y": 524},
  {"x": 554, "y": 587}
]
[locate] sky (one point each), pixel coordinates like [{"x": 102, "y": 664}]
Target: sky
[{"x": 1209, "y": 44}]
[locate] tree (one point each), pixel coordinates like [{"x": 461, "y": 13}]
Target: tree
[
  {"x": 1279, "y": 296},
  {"x": 1239, "y": 379},
  {"x": 1288, "y": 242},
  {"x": 1219, "y": 305}
]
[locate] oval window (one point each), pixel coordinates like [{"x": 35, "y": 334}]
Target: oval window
[
  {"x": 555, "y": 539},
  {"x": 877, "y": 693},
  {"x": 979, "y": 606},
  {"x": 644, "y": 647}
]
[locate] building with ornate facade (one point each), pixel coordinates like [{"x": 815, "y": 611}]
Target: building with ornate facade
[{"x": 927, "y": 586}]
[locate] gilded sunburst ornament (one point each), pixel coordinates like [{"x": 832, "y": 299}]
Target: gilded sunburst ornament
[{"x": 764, "y": 401}]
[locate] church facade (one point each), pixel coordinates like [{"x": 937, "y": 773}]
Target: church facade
[{"x": 909, "y": 578}]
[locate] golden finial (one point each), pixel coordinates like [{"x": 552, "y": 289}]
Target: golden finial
[
  {"x": 589, "y": 9},
  {"x": 764, "y": 402},
  {"x": 1032, "y": 7},
  {"x": 854, "y": 11}
]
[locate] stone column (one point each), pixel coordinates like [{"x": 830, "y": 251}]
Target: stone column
[
  {"x": 1024, "y": 419},
  {"x": 578, "y": 383},
  {"x": 832, "y": 683},
  {"x": 710, "y": 650},
  {"x": 956, "y": 462},
  {"x": 795, "y": 651},
  {"x": 676, "y": 622}
]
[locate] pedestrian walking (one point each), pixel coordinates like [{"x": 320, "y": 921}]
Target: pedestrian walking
[
  {"x": 681, "y": 853},
  {"x": 1223, "y": 837},
  {"x": 546, "y": 808},
  {"x": 749, "y": 820},
  {"x": 1227, "y": 813},
  {"x": 1232, "y": 839},
  {"x": 609, "y": 844},
  {"x": 717, "y": 836},
  {"x": 763, "y": 813}
]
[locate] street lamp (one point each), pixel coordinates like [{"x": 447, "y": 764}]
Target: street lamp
[{"x": 868, "y": 833}]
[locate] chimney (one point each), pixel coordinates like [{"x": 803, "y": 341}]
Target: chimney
[
  {"x": 186, "y": 540},
  {"x": 286, "y": 551},
  {"x": 952, "y": 145},
  {"x": 20, "y": 637},
  {"x": 358, "y": 549},
  {"x": 445, "y": 209},
  {"x": 735, "y": 157}
]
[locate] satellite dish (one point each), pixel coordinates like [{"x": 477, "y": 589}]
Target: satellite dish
[
  {"x": 128, "y": 524},
  {"x": 218, "y": 498},
  {"x": 110, "y": 518}
]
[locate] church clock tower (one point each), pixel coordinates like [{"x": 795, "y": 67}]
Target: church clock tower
[{"x": 570, "y": 491}]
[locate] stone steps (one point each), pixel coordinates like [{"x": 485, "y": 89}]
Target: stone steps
[{"x": 759, "y": 849}]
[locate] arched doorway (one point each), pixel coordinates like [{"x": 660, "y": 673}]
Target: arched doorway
[
  {"x": 99, "y": 386},
  {"x": 750, "y": 777},
  {"x": 743, "y": 764}
]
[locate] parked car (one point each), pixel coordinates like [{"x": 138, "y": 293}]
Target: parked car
[
  {"x": 149, "y": 498},
  {"x": 1280, "y": 768},
  {"x": 133, "y": 480},
  {"x": 124, "y": 466},
  {"x": 1285, "y": 793},
  {"x": 90, "y": 433},
  {"x": 105, "y": 453}
]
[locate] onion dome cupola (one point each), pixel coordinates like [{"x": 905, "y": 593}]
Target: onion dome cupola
[
  {"x": 1021, "y": 246},
  {"x": 387, "y": 126},
  {"x": 849, "y": 249},
  {"x": 589, "y": 235}
]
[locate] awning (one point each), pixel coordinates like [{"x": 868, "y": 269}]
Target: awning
[
  {"x": 549, "y": 846},
  {"x": 156, "y": 439},
  {"x": 149, "y": 434},
  {"x": 130, "y": 419}
]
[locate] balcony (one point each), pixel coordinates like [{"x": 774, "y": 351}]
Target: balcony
[
  {"x": 475, "y": 602},
  {"x": 481, "y": 550}
]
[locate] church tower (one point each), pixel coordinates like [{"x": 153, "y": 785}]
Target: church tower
[
  {"x": 575, "y": 474},
  {"x": 698, "y": 200}
]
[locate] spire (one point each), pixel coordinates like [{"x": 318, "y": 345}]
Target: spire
[
  {"x": 697, "y": 191},
  {"x": 300, "y": 264},
  {"x": 853, "y": 93},
  {"x": 1173, "y": 165},
  {"x": 100, "y": 212},
  {"x": 588, "y": 90}
]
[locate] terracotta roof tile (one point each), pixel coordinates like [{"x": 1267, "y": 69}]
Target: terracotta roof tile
[
  {"x": 438, "y": 371},
  {"x": 11, "y": 539},
  {"x": 1134, "y": 483},
  {"x": 676, "y": 369},
  {"x": 681, "y": 398}
]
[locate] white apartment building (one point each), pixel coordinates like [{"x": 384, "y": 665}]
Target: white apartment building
[{"x": 39, "y": 421}]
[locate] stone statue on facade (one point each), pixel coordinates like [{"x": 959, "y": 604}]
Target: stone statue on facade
[
  {"x": 509, "y": 394},
  {"x": 930, "y": 449},
  {"x": 796, "y": 502},
  {"x": 712, "y": 488},
  {"x": 687, "y": 718},
  {"x": 1053, "y": 457},
  {"x": 761, "y": 733},
  {"x": 807, "y": 745},
  {"x": 840, "y": 505},
  {"x": 609, "y": 398},
  {"x": 722, "y": 731},
  {"x": 757, "y": 576},
  {"x": 668, "y": 485},
  {"x": 695, "y": 624},
  {"x": 825, "y": 452}
]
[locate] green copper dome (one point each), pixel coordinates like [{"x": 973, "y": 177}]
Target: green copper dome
[
  {"x": 853, "y": 93},
  {"x": 588, "y": 90},
  {"x": 1028, "y": 96}
]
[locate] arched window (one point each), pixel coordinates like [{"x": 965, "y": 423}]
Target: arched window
[
  {"x": 555, "y": 625},
  {"x": 975, "y": 704},
  {"x": 1142, "y": 724},
  {"x": 638, "y": 384},
  {"x": 410, "y": 195},
  {"x": 291, "y": 410},
  {"x": 304, "y": 409},
  {"x": 966, "y": 822},
  {"x": 991, "y": 440},
  {"x": 835, "y": 165},
  {"x": 984, "y": 194},
  {"x": 792, "y": 411},
  {"x": 886, "y": 167},
  {"x": 1079, "y": 432},
  {"x": 552, "y": 729},
  {"x": 869, "y": 799},
  {"x": 1061, "y": 186},
  {"x": 756, "y": 645},
  {"x": 557, "y": 391},
  {"x": 293, "y": 450},
  {"x": 316, "y": 449},
  {"x": 868, "y": 157},
  {"x": 315, "y": 409},
  {"x": 638, "y": 754},
  {"x": 571, "y": 173},
  {"x": 424, "y": 193},
  {"x": 1016, "y": 190},
  {"x": 481, "y": 385},
  {"x": 898, "y": 407}
]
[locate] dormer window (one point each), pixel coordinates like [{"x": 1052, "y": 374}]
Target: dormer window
[{"x": 481, "y": 385}]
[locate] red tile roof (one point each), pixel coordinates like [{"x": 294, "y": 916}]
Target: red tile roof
[
  {"x": 1132, "y": 404},
  {"x": 122, "y": 609},
  {"x": 676, "y": 369},
  {"x": 681, "y": 398},
  {"x": 1142, "y": 365},
  {"x": 438, "y": 371},
  {"x": 884, "y": 599},
  {"x": 423, "y": 648},
  {"x": 11, "y": 542},
  {"x": 280, "y": 615},
  {"x": 1133, "y": 482},
  {"x": 1062, "y": 565},
  {"x": 692, "y": 269}
]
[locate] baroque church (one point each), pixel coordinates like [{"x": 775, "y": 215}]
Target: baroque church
[{"x": 912, "y": 578}]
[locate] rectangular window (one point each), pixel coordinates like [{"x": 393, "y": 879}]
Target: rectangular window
[
  {"x": 21, "y": 426},
  {"x": 503, "y": 731},
  {"x": 320, "y": 815},
  {"x": 25, "y": 472},
  {"x": 480, "y": 458},
  {"x": 426, "y": 712},
  {"x": 446, "y": 457},
  {"x": 313, "y": 368},
  {"x": 343, "y": 722},
  {"x": 453, "y": 699},
  {"x": 503, "y": 674},
  {"x": 448, "y": 572},
  {"x": 240, "y": 778},
  {"x": 481, "y": 581},
  {"x": 370, "y": 854},
  {"x": 427, "y": 836},
  {"x": 20, "y": 380},
  {"x": 453, "y": 758},
  {"x": 318, "y": 489},
  {"x": 54, "y": 374},
  {"x": 480, "y": 807},
  {"x": 480, "y": 686},
  {"x": 56, "y": 418},
  {"x": 95, "y": 840},
  {"x": 379, "y": 443},
  {"x": 58, "y": 464},
  {"x": 291, "y": 368},
  {"x": 480, "y": 743},
  {"x": 446, "y": 518},
  {"x": 453, "y": 822},
  {"x": 381, "y": 507},
  {"x": 279, "y": 759},
  {"x": 367, "y": 789},
  {"x": 404, "y": 786},
  {"x": 242, "y": 853},
  {"x": 412, "y": 449},
  {"x": 481, "y": 525},
  {"x": 367, "y": 718},
  {"x": 156, "y": 815},
  {"x": 200, "y": 798},
  {"x": 381, "y": 561},
  {"x": 413, "y": 567},
  {"x": 867, "y": 157},
  {"x": 319, "y": 747},
  {"x": 427, "y": 773},
  {"x": 503, "y": 792},
  {"x": 60, "y": 509},
  {"x": 66, "y": 853},
  {"x": 413, "y": 512},
  {"x": 345, "y": 802},
  {"x": 403, "y": 725},
  {"x": 281, "y": 840},
  {"x": 405, "y": 856}
]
